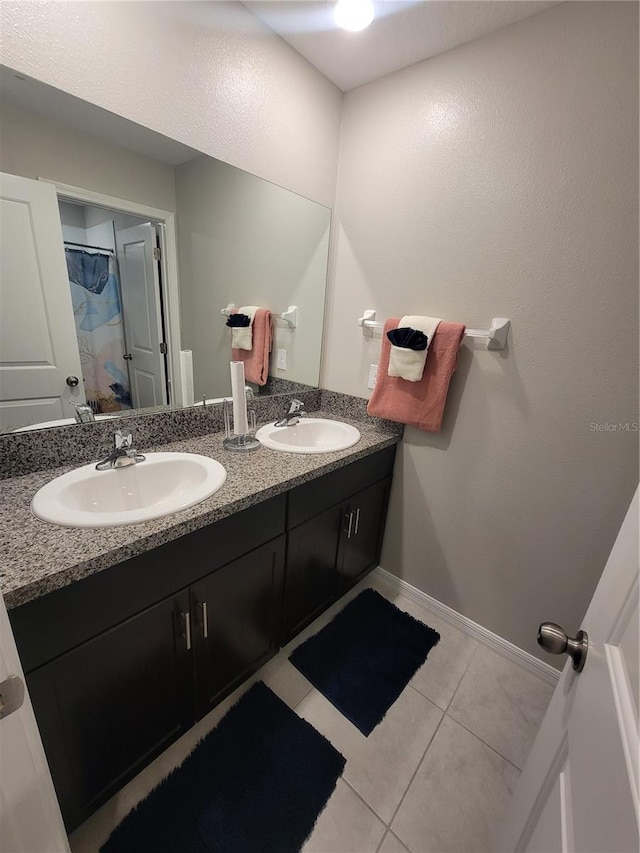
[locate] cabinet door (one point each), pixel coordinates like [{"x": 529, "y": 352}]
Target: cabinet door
[
  {"x": 311, "y": 580},
  {"x": 236, "y": 619},
  {"x": 361, "y": 539},
  {"x": 109, "y": 706}
]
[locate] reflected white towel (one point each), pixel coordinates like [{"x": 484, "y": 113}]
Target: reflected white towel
[
  {"x": 408, "y": 363},
  {"x": 186, "y": 376},
  {"x": 242, "y": 336}
]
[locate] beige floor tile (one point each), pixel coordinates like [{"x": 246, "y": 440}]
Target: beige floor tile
[
  {"x": 285, "y": 680},
  {"x": 391, "y": 844},
  {"x": 441, "y": 673},
  {"x": 457, "y": 798},
  {"x": 501, "y": 703},
  {"x": 345, "y": 826},
  {"x": 379, "y": 767}
]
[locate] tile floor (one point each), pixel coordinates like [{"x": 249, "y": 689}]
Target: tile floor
[{"x": 436, "y": 774}]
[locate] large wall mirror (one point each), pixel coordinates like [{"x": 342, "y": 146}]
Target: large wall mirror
[{"x": 119, "y": 251}]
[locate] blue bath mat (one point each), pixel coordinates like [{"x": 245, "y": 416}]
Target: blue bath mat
[
  {"x": 257, "y": 782},
  {"x": 365, "y": 657}
]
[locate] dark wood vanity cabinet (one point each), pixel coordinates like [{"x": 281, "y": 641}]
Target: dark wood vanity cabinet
[
  {"x": 362, "y": 532},
  {"x": 109, "y": 706},
  {"x": 120, "y": 664},
  {"x": 236, "y": 615},
  {"x": 335, "y": 527},
  {"x": 107, "y": 703},
  {"x": 311, "y": 582}
]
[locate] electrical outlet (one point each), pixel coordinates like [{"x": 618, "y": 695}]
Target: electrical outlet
[
  {"x": 282, "y": 359},
  {"x": 373, "y": 375}
]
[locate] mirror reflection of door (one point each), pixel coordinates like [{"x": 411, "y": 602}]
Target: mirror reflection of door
[
  {"x": 38, "y": 350},
  {"x": 138, "y": 255},
  {"x": 115, "y": 288}
]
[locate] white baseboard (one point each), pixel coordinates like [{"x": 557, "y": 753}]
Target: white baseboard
[{"x": 503, "y": 647}]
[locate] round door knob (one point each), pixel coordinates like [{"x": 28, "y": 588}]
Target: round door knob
[
  {"x": 554, "y": 640},
  {"x": 127, "y": 356},
  {"x": 72, "y": 381}
]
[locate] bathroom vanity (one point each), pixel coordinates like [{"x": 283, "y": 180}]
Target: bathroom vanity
[{"x": 123, "y": 661}]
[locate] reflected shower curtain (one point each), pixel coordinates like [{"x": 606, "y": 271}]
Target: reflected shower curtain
[{"x": 97, "y": 310}]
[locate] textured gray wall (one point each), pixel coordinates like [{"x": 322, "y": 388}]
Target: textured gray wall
[{"x": 501, "y": 179}]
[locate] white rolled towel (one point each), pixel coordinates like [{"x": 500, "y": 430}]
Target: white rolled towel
[
  {"x": 408, "y": 363},
  {"x": 242, "y": 336}
]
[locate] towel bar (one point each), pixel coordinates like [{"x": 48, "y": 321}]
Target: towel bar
[
  {"x": 289, "y": 316},
  {"x": 496, "y": 334}
]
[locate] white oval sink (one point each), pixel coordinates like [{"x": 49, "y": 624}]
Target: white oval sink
[
  {"x": 164, "y": 483},
  {"x": 66, "y": 422},
  {"x": 309, "y": 435}
]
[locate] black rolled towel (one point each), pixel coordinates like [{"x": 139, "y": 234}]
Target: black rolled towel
[
  {"x": 408, "y": 338},
  {"x": 238, "y": 320}
]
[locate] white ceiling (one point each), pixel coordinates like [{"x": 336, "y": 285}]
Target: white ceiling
[{"x": 402, "y": 32}]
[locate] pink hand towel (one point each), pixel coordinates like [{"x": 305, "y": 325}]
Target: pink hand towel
[
  {"x": 256, "y": 360},
  {"x": 420, "y": 404}
]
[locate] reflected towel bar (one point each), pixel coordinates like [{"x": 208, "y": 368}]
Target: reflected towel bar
[
  {"x": 496, "y": 334},
  {"x": 289, "y": 316}
]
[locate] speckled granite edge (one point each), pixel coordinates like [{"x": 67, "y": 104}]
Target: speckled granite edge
[{"x": 36, "y": 557}]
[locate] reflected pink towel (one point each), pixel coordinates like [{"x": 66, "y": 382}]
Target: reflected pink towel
[
  {"x": 420, "y": 404},
  {"x": 256, "y": 360}
]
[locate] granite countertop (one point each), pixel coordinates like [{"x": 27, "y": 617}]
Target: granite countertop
[{"x": 37, "y": 557}]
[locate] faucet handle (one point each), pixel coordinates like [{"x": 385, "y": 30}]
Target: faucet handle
[
  {"x": 296, "y": 406},
  {"x": 122, "y": 439}
]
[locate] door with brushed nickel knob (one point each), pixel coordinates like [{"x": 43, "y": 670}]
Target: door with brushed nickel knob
[{"x": 580, "y": 788}]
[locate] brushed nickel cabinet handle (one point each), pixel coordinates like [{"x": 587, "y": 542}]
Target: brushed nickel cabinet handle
[
  {"x": 205, "y": 619},
  {"x": 355, "y": 532},
  {"x": 187, "y": 628},
  {"x": 348, "y": 530}
]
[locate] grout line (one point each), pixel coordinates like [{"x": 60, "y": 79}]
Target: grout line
[
  {"x": 466, "y": 670},
  {"x": 302, "y": 698},
  {"x": 362, "y": 800},
  {"x": 415, "y": 773},
  {"x": 483, "y": 742},
  {"x": 378, "y": 848}
]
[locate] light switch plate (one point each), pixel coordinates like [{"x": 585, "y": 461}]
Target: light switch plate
[
  {"x": 373, "y": 375},
  {"x": 282, "y": 359}
]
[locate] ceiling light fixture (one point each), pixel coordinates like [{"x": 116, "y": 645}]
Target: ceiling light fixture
[{"x": 353, "y": 15}]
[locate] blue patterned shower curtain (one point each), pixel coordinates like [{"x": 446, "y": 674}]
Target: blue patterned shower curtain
[{"x": 97, "y": 309}]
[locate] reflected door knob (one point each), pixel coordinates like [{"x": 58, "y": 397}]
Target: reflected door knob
[
  {"x": 554, "y": 640},
  {"x": 72, "y": 381},
  {"x": 127, "y": 356}
]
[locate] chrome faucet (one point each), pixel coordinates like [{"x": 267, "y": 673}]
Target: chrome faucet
[
  {"x": 122, "y": 455},
  {"x": 296, "y": 411},
  {"x": 83, "y": 413}
]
